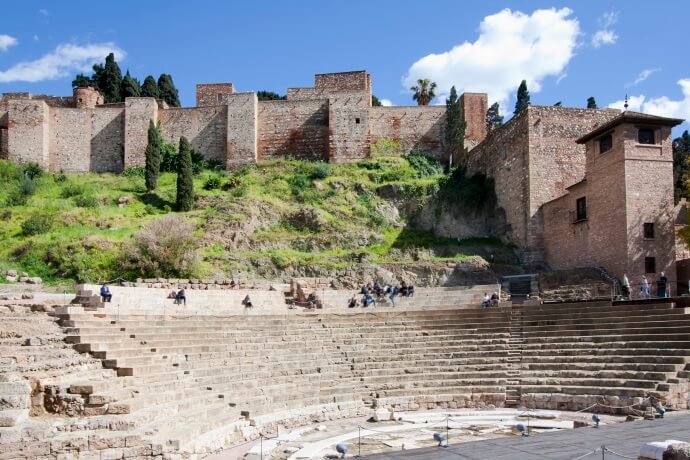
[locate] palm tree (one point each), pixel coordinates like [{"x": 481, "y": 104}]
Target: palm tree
[{"x": 424, "y": 91}]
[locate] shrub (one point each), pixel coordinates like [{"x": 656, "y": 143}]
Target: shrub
[
  {"x": 424, "y": 165},
  {"x": 86, "y": 201},
  {"x": 60, "y": 177},
  {"x": 15, "y": 198},
  {"x": 475, "y": 192},
  {"x": 134, "y": 171},
  {"x": 387, "y": 147},
  {"x": 233, "y": 181},
  {"x": 164, "y": 248},
  {"x": 212, "y": 183},
  {"x": 168, "y": 157},
  {"x": 321, "y": 170},
  {"x": 70, "y": 189},
  {"x": 37, "y": 224},
  {"x": 9, "y": 172},
  {"x": 299, "y": 182},
  {"x": 20, "y": 195},
  {"x": 27, "y": 186},
  {"x": 32, "y": 170}
]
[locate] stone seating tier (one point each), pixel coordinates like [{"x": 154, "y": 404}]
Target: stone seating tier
[{"x": 221, "y": 375}]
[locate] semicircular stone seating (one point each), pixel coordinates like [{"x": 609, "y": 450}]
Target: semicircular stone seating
[{"x": 189, "y": 382}]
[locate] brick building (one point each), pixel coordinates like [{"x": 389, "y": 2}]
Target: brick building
[{"x": 620, "y": 215}]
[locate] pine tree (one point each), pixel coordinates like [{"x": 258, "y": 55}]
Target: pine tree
[
  {"x": 185, "y": 184},
  {"x": 455, "y": 126},
  {"x": 591, "y": 103},
  {"x": 109, "y": 79},
  {"x": 167, "y": 90},
  {"x": 81, "y": 81},
  {"x": 375, "y": 101},
  {"x": 522, "y": 97},
  {"x": 493, "y": 118},
  {"x": 150, "y": 88},
  {"x": 130, "y": 87},
  {"x": 153, "y": 157}
]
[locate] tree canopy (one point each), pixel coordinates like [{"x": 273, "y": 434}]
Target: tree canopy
[
  {"x": 150, "y": 88},
  {"x": 522, "y": 98},
  {"x": 375, "y": 102},
  {"x": 681, "y": 166},
  {"x": 130, "y": 87},
  {"x": 493, "y": 118},
  {"x": 591, "y": 103},
  {"x": 153, "y": 156},
  {"x": 269, "y": 96},
  {"x": 185, "y": 183},
  {"x": 424, "y": 91},
  {"x": 167, "y": 90}
]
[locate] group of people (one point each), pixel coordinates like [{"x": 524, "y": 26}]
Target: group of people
[
  {"x": 490, "y": 301},
  {"x": 662, "y": 287},
  {"x": 373, "y": 293},
  {"x": 179, "y": 297}
]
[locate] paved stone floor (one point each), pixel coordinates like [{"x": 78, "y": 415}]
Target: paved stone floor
[{"x": 623, "y": 438}]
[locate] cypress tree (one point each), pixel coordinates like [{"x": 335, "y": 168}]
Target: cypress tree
[
  {"x": 109, "y": 80},
  {"x": 522, "y": 98},
  {"x": 493, "y": 118},
  {"x": 153, "y": 157},
  {"x": 150, "y": 88},
  {"x": 130, "y": 87},
  {"x": 167, "y": 90},
  {"x": 591, "y": 103},
  {"x": 455, "y": 125},
  {"x": 185, "y": 184}
]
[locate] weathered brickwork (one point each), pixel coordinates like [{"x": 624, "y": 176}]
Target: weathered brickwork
[
  {"x": 296, "y": 128},
  {"x": 625, "y": 187},
  {"x": 417, "y": 128},
  {"x": 343, "y": 81},
  {"x": 209, "y": 94},
  {"x": 474, "y": 107},
  {"x": 28, "y": 132},
  {"x": 242, "y": 133},
  {"x": 204, "y": 127}
]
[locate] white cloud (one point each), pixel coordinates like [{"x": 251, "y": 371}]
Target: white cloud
[
  {"x": 662, "y": 106},
  {"x": 64, "y": 61},
  {"x": 561, "y": 77},
  {"x": 6, "y": 41},
  {"x": 511, "y": 46},
  {"x": 386, "y": 102},
  {"x": 645, "y": 74},
  {"x": 43, "y": 12},
  {"x": 606, "y": 36}
]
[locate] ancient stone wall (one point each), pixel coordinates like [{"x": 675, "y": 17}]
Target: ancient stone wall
[
  {"x": 417, "y": 128},
  {"x": 504, "y": 156},
  {"x": 83, "y": 140},
  {"x": 208, "y": 94},
  {"x": 343, "y": 81},
  {"x": 242, "y": 130},
  {"x": 204, "y": 127},
  {"x": 28, "y": 133},
  {"x": 348, "y": 118},
  {"x": 296, "y": 128},
  {"x": 87, "y": 98},
  {"x": 4, "y": 118},
  {"x": 138, "y": 112}
]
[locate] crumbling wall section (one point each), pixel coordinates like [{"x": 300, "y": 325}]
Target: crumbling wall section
[
  {"x": 204, "y": 127},
  {"x": 295, "y": 128},
  {"x": 417, "y": 128}
]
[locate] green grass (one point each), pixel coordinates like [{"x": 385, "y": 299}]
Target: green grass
[{"x": 242, "y": 224}]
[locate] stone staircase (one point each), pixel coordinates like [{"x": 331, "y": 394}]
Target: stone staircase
[{"x": 514, "y": 365}]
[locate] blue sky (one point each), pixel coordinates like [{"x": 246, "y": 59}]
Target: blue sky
[{"x": 567, "y": 51}]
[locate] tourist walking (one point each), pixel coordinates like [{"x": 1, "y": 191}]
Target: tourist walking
[
  {"x": 626, "y": 286},
  {"x": 645, "y": 287},
  {"x": 394, "y": 294},
  {"x": 662, "y": 285}
]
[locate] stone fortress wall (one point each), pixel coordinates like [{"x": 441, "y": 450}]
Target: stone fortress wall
[{"x": 332, "y": 121}]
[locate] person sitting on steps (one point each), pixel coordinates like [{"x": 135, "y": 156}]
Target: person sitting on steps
[
  {"x": 106, "y": 295},
  {"x": 247, "y": 302},
  {"x": 487, "y": 300},
  {"x": 181, "y": 298},
  {"x": 352, "y": 303}
]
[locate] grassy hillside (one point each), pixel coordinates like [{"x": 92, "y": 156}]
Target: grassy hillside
[{"x": 274, "y": 217}]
